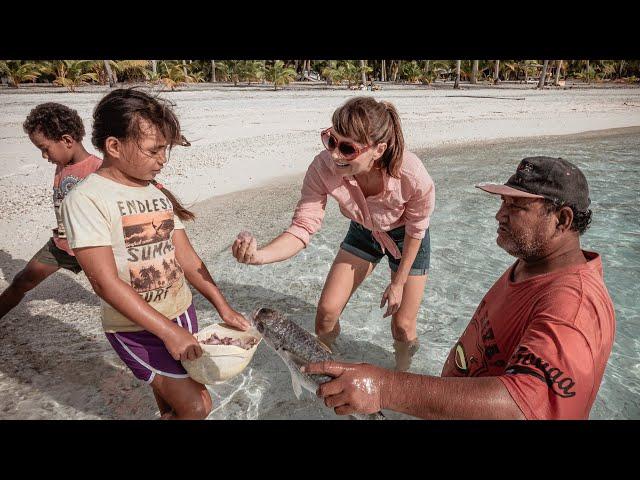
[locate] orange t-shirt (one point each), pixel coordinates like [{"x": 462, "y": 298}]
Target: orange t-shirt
[
  {"x": 547, "y": 338},
  {"x": 64, "y": 180}
]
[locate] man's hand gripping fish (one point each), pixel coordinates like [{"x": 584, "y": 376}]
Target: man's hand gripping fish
[{"x": 297, "y": 347}]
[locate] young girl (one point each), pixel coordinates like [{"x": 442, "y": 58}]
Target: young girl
[
  {"x": 127, "y": 234},
  {"x": 388, "y": 195}
]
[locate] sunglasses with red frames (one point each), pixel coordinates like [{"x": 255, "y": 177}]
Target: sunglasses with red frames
[{"x": 348, "y": 150}]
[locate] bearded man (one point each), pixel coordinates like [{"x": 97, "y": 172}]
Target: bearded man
[{"x": 538, "y": 343}]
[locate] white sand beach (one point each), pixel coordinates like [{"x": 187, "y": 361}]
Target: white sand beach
[{"x": 249, "y": 149}]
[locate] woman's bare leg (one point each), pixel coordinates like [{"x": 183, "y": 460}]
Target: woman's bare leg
[
  {"x": 347, "y": 273},
  {"x": 404, "y": 321}
]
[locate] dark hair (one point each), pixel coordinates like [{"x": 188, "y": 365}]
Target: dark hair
[
  {"x": 118, "y": 115},
  {"x": 581, "y": 220},
  {"x": 54, "y": 120},
  {"x": 368, "y": 121}
]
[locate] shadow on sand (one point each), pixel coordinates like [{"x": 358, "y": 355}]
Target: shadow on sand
[
  {"x": 59, "y": 287},
  {"x": 59, "y": 367}
]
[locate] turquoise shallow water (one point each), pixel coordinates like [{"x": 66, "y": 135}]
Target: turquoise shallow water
[{"x": 465, "y": 263}]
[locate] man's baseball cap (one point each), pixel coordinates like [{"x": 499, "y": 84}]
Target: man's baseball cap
[{"x": 545, "y": 177}]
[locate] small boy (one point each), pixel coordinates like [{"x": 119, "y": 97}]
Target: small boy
[{"x": 57, "y": 131}]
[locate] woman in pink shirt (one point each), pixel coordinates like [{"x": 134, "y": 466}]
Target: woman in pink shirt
[{"x": 387, "y": 193}]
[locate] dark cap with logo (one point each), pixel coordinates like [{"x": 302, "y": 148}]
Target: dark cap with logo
[{"x": 546, "y": 177}]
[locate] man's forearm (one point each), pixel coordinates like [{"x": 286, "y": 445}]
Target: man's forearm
[{"x": 431, "y": 397}]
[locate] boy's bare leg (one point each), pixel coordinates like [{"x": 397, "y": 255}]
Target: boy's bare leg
[{"x": 27, "y": 279}]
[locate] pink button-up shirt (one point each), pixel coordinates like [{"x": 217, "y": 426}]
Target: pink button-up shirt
[{"x": 408, "y": 200}]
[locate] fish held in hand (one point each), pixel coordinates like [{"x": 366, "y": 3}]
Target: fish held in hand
[{"x": 297, "y": 347}]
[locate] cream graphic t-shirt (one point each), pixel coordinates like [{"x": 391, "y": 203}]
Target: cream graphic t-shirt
[{"x": 138, "y": 224}]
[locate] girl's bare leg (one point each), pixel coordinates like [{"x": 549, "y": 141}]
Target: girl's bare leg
[{"x": 185, "y": 398}]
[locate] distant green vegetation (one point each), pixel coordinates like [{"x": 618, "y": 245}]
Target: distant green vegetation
[{"x": 172, "y": 73}]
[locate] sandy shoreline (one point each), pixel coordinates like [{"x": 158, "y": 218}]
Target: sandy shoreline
[
  {"x": 268, "y": 207},
  {"x": 241, "y": 139},
  {"x": 243, "y": 171}
]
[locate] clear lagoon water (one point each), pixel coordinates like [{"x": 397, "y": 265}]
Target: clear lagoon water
[{"x": 465, "y": 262}]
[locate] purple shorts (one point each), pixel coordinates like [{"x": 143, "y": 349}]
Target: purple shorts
[{"x": 146, "y": 355}]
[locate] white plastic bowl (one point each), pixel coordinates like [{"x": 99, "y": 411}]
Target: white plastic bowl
[{"x": 219, "y": 363}]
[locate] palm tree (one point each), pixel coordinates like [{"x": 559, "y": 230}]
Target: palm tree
[
  {"x": 588, "y": 73},
  {"x": 132, "y": 69},
  {"x": 620, "y": 69},
  {"x": 526, "y": 66},
  {"x": 332, "y": 75},
  {"x": 543, "y": 74},
  {"x": 252, "y": 71},
  {"x": 235, "y": 70},
  {"x": 363, "y": 66},
  {"x": 280, "y": 75},
  {"x": 412, "y": 71},
  {"x": 496, "y": 72},
  {"x": 18, "y": 72},
  {"x": 349, "y": 72},
  {"x": 364, "y": 70},
  {"x": 70, "y": 73},
  {"x": 395, "y": 67},
  {"x": 110, "y": 76},
  {"x": 608, "y": 69},
  {"x": 154, "y": 67},
  {"x": 558, "y": 68},
  {"x": 173, "y": 75},
  {"x": 474, "y": 71},
  {"x": 456, "y": 85},
  {"x": 213, "y": 71},
  {"x": 393, "y": 71},
  {"x": 223, "y": 71},
  {"x": 383, "y": 71}
]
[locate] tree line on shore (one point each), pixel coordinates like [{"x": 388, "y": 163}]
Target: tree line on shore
[{"x": 350, "y": 73}]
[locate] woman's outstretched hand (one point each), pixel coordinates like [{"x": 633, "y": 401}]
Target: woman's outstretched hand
[{"x": 245, "y": 249}]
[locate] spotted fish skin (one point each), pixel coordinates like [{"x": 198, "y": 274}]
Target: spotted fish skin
[{"x": 297, "y": 347}]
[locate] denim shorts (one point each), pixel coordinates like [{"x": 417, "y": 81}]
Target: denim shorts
[{"x": 360, "y": 242}]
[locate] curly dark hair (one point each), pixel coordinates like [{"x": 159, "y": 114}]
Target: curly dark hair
[
  {"x": 581, "y": 220},
  {"x": 54, "y": 120}
]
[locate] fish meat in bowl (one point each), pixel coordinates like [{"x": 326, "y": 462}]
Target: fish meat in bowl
[{"x": 226, "y": 352}]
